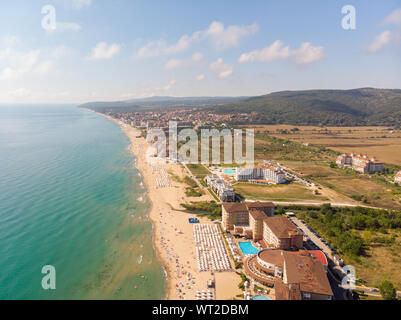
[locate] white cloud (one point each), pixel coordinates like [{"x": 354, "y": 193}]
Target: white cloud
[
  {"x": 33, "y": 62},
  {"x": 197, "y": 56},
  {"x": 380, "y": 41},
  {"x": 8, "y": 74},
  {"x": 183, "y": 63},
  {"x": 394, "y": 18},
  {"x": 222, "y": 70},
  {"x": 306, "y": 54},
  {"x": 273, "y": 52},
  {"x": 220, "y": 36},
  {"x": 104, "y": 51},
  {"x": 79, "y": 4},
  {"x": 160, "y": 48},
  {"x": 224, "y": 38},
  {"x": 200, "y": 77},
  {"x": 174, "y": 64},
  {"x": 19, "y": 64}
]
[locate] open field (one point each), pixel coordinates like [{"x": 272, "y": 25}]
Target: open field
[
  {"x": 198, "y": 170},
  {"x": 382, "y": 262},
  {"x": 280, "y": 192},
  {"x": 381, "y": 142},
  {"x": 362, "y": 188}
]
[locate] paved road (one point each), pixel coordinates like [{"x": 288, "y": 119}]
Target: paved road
[{"x": 322, "y": 246}]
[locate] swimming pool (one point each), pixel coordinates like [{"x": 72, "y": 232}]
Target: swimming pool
[
  {"x": 247, "y": 248},
  {"x": 229, "y": 171},
  {"x": 260, "y": 298}
]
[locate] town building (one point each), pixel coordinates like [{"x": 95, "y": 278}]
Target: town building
[
  {"x": 295, "y": 275},
  {"x": 397, "y": 178},
  {"x": 256, "y": 220},
  {"x": 262, "y": 173},
  {"x": 246, "y": 218},
  {"x": 360, "y": 163},
  {"x": 221, "y": 188},
  {"x": 280, "y": 232}
]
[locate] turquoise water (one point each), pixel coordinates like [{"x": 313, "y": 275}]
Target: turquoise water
[
  {"x": 247, "y": 248},
  {"x": 260, "y": 298},
  {"x": 70, "y": 196},
  {"x": 229, "y": 171}
]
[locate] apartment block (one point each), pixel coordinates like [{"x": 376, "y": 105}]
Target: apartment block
[{"x": 360, "y": 163}]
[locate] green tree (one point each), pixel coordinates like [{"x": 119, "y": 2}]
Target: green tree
[{"x": 387, "y": 290}]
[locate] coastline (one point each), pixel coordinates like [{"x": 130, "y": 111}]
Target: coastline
[{"x": 172, "y": 237}]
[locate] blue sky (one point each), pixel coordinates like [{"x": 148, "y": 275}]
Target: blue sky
[{"x": 124, "y": 49}]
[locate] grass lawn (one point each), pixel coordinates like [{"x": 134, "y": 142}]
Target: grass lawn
[
  {"x": 198, "y": 170},
  {"x": 280, "y": 192}
]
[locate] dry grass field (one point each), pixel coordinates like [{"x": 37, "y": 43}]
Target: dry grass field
[
  {"x": 281, "y": 192},
  {"x": 382, "y": 262},
  {"x": 382, "y": 142},
  {"x": 358, "y": 187}
]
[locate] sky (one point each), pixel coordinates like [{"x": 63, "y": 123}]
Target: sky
[{"x": 103, "y": 50}]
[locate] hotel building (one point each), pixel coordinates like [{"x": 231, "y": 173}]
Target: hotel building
[
  {"x": 280, "y": 232},
  {"x": 360, "y": 163},
  {"x": 221, "y": 187},
  {"x": 299, "y": 275},
  {"x": 246, "y": 218},
  {"x": 256, "y": 220},
  {"x": 264, "y": 173}
]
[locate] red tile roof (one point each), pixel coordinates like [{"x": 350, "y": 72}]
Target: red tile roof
[
  {"x": 308, "y": 272},
  {"x": 282, "y": 227}
]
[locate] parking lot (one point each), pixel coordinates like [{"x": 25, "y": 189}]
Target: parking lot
[{"x": 312, "y": 239}]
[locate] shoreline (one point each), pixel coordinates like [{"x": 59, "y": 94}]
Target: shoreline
[
  {"x": 172, "y": 235},
  {"x": 148, "y": 214}
]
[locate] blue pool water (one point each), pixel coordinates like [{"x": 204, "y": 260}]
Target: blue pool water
[
  {"x": 229, "y": 171},
  {"x": 260, "y": 298},
  {"x": 247, "y": 248}
]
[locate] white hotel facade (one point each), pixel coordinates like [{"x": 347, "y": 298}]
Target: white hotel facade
[{"x": 261, "y": 172}]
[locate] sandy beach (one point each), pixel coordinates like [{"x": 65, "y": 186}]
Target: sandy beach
[{"x": 172, "y": 233}]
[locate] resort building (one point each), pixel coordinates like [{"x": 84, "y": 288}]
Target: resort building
[
  {"x": 261, "y": 173},
  {"x": 360, "y": 163},
  {"x": 256, "y": 220},
  {"x": 281, "y": 233},
  {"x": 397, "y": 178},
  {"x": 246, "y": 218},
  {"x": 298, "y": 275},
  {"x": 221, "y": 187}
]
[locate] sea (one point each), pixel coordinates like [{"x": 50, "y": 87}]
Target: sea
[{"x": 72, "y": 198}]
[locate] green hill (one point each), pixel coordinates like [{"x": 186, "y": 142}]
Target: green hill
[{"x": 366, "y": 106}]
